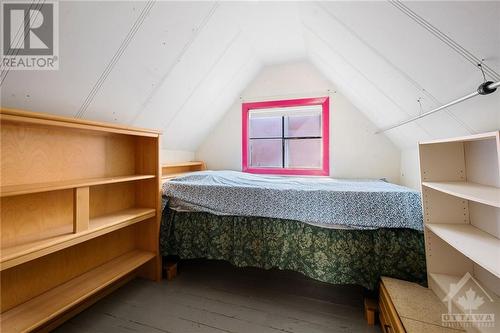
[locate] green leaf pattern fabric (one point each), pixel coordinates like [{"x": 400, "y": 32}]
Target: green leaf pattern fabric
[{"x": 338, "y": 256}]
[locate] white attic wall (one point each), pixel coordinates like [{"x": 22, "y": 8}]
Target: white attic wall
[
  {"x": 188, "y": 62},
  {"x": 355, "y": 151}
]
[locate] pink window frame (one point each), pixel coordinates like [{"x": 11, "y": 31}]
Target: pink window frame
[{"x": 325, "y": 104}]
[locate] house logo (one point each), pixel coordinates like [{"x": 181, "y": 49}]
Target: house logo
[
  {"x": 467, "y": 301},
  {"x": 30, "y": 35}
]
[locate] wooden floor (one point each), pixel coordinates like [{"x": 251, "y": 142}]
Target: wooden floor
[{"x": 216, "y": 297}]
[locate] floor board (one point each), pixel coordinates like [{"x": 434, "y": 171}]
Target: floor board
[{"x": 216, "y": 297}]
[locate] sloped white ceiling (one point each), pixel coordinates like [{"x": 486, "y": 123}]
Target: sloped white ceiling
[{"x": 178, "y": 66}]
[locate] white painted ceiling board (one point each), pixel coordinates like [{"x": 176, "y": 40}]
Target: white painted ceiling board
[
  {"x": 406, "y": 44},
  {"x": 203, "y": 55},
  {"x": 199, "y": 114},
  {"x": 153, "y": 51},
  {"x": 384, "y": 31},
  {"x": 62, "y": 92},
  {"x": 383, "y": 37},
  {"x": 403, "y": 137},
  {"x": 347, "y": 55},
  {"x": 389, "y": 90},
  {"x": 481, "y": 39},
  {"x": 273, "y": 28},
  {"x": 384, "y": 106},
  {"x": 189, "y": 134},
  {"x": 482, "y": 114},
  {"x": 189, "y": 61}
]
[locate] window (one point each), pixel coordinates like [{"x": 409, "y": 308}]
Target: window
[{"x": 286, "y": 137}]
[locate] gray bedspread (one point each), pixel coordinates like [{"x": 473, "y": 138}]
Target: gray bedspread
[{"x": 321, "y": 201}]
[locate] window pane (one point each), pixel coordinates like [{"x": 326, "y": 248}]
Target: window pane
[
  {"x": 265, "y": 153},
  {"x": 265, "y": 127},
  {"x": 303, "y": 153},
  {"x": 301, "y": 126}
]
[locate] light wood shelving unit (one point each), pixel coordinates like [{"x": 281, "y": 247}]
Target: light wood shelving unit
[
  {"x": 170, "y": 171},
  {"x": 80, "y": 214},
  {"x": 10, "y": 190},
  {"x": 461, "y": 201},
  {"x": 35, "y": 312}
]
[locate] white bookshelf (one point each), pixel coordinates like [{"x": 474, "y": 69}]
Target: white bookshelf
[
  {"x": 474, "y": 243},
  {"x": 488, "y": 195},
  {"x": 461, "y": 202}
]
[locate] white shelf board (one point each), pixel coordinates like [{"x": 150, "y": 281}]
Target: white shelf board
[
  {"x": 488, "y": 195},
  {"x": 475, "y": 244},
  {"x": 473, "y": 137}
]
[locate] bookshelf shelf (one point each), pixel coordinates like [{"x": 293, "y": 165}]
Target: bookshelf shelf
[
  {"x": 477, "y": 245},
  {"x": 61, "y": 238},
  {"x": 488, "y": 195},
  {"x": 461, "y": 200},
  {"x": 11, "y": 190},
  {"x": 80, "y": 214},
  {"x": 41, "y": 309}
]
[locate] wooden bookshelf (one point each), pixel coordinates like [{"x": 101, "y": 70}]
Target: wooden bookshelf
[
  {"x": 461, "y": 201},
  {"x": 11, "y": 190},
  {"x": 61, "y": 238},
  {"x": 80, "y": 212},
  {"x": 43, "y": 308},
  {"x": 196, "y": 165},
  {"x": 170, "y": 171},
  {"x": 19, "y": 116}
]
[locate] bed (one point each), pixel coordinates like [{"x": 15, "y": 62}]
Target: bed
[{"x": 335, "y": 231}]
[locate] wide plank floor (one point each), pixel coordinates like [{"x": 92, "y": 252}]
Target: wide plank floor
[{"x": 210, "y": 296}]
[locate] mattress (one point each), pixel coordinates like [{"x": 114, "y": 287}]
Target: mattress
[{"x": 319, "y": 201}]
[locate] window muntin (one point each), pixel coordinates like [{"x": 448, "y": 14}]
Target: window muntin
[{"x": 288, "y": 138}]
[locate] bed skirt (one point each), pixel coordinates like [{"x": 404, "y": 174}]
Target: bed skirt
[{"x": 337, "y": 256}]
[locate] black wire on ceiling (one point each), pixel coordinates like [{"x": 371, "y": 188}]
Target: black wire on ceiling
[{"x": 459, "y": 49}]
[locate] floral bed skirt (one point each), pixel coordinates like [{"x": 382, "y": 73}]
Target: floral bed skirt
[{"x": 335, "y": 256}]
